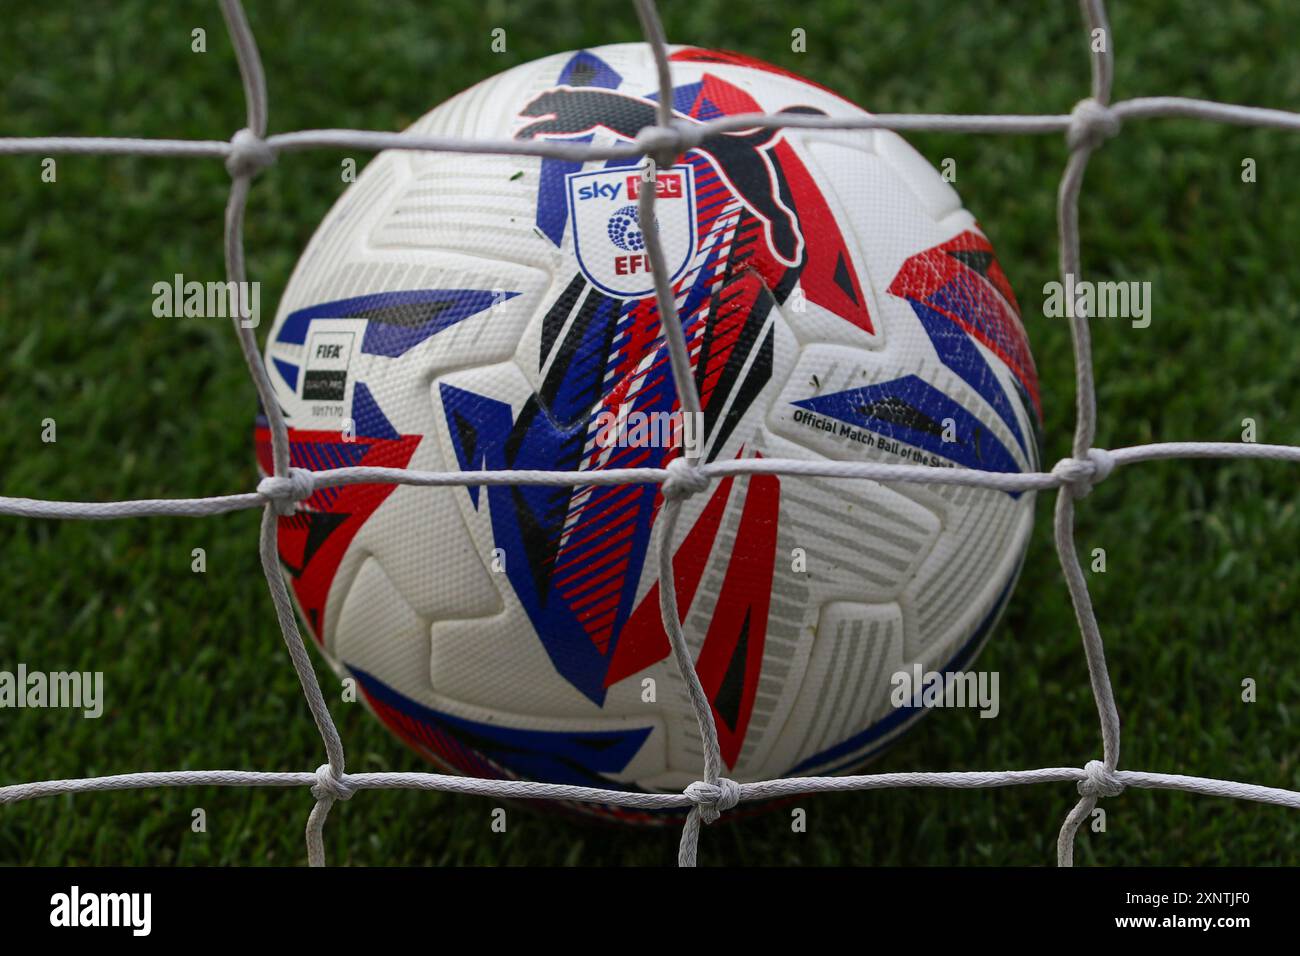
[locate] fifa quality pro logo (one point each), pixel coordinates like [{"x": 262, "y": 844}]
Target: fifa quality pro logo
[
  {"x": 608, "y": 237},
  {"x": 325, "y": 376},
  {"x": 324, "y": 382}
]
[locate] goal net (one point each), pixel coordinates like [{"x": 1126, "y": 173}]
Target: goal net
[{"x": 1093, "y": 120}]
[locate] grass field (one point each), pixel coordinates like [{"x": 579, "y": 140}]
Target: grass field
[{"x": 1202, "y": 587}]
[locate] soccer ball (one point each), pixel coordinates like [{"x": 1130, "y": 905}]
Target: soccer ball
[{"x": 460, "y": 312}]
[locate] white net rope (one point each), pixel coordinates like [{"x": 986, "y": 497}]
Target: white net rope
[{"x": 1092, "y": 121}]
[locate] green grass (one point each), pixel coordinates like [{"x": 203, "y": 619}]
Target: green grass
[{"x": 1201, "y": 588}]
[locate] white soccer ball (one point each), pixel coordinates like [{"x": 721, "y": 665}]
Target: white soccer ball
[{"x": 464, "y": 312}]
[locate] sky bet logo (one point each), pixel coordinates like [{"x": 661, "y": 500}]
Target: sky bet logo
[
  {"x": 599, "y": 191},
  {"x": 607, "y": 238},
  {"x": 667, "y": 186}
]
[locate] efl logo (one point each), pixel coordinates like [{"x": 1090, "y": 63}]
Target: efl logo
[{"x": 608, "y": 241}]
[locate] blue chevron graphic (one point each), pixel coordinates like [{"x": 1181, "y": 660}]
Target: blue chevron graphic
[{"x": 911, "y": 410}]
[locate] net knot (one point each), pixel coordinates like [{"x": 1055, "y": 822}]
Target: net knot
[
  {"x": 1080, "y": 475},
  {"x": 1091, "y": 124},
  {"x": 663, "y": 143},
  {"x": 331, "y": 785},
  {"x": 684, "y": 479},
  {"x": 1100, "y": 782},
  {"x": 285, "y": 491},
  {"x": 713, "y": 799},
  {"x": 249, "y": 154}
]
